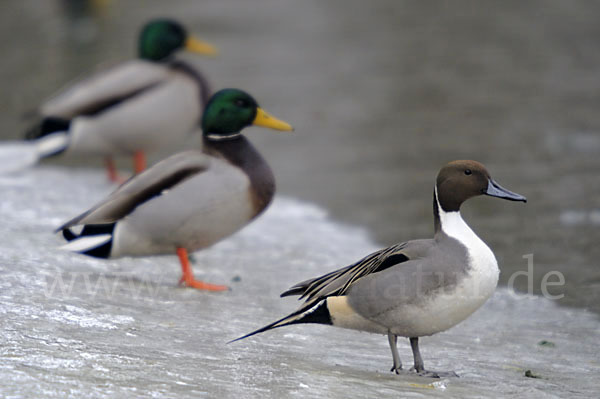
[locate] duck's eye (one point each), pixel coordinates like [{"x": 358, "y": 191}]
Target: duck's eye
[
  {"x": 468, "y": 172},
  {"x": 241, "y": 103}
]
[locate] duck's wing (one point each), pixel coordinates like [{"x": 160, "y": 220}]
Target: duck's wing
[
  {"x": 104, "y": 89},
  {"x": 140, "y": 188},
  {"x": 338, "y": 282}
]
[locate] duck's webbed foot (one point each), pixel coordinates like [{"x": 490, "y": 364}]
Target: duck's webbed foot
[
  {"x": 420, "y": 369},
  {"x": 396, "y": 370},
  {"x": 434, "y": 374}
]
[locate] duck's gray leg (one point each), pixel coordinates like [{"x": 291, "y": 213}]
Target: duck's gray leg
[
  {"x": 420, "y": 369},
  {"x": 414, "y": 344},
  {"x": 392, "y": 339}
]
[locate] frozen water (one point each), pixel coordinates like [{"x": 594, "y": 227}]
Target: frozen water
[{"x": 73, "y": 326}]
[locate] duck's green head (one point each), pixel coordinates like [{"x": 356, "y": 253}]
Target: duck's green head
[
  {"x": 160, "y": 38},
  {"x": 230, "y": 110}
]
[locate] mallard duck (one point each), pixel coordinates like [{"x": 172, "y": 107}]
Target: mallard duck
[
  {"x": 139, "y": 106},
  {"x": 416, "y": 288},
  {"x": 189, "y": 200}
]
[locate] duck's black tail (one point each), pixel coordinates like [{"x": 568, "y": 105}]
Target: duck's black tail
[
  {"x": 94, "y": 240},
  {"x": 47, "y": 126},
  {"x": 318, "y": 314},
  {"x": 50, "y": 135}
]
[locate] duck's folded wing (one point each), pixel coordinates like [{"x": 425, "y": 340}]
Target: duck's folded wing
[
  {"x": 338, "y": 282},
  {"x": 104, "y": 89},
  {"x": 141, "y": 188}
]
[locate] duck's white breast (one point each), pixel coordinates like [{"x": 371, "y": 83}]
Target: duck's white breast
[{"x": 449, "y": 306}]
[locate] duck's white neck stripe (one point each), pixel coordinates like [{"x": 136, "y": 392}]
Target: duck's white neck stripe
[
  {"x": 453, "y": 225},
  {"x": 222, "y": 137},
  {"x": 482, "y": 262}
]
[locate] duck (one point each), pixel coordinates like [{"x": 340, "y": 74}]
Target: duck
[
  {"x": 415, "y": 288},
  {"x": 133, "y": 108},
  {"x": 189, "y": 200}
]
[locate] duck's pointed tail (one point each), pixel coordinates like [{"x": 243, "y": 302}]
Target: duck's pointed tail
[{"x": 318, "y": 314}]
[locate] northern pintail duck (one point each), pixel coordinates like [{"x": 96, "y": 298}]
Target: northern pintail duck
[
  {"x": 189, "y": 200},
  {"x": 416, "y": 288},
  {"x": 136, "y": 107}
]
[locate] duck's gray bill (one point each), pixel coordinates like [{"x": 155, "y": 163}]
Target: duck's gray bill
[{"x": 496, "y": 190}]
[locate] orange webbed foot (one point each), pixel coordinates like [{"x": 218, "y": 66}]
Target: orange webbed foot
[
  {"x": 201, "y": 285},
  {"x": 188, "y": 278}
]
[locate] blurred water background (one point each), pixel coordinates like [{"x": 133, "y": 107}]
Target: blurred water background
[{"x": 381, "y": 94}]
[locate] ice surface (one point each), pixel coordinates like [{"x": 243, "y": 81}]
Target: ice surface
[
  {"x": 73, "y": 326},
  {"x": 16, "y": 156}
]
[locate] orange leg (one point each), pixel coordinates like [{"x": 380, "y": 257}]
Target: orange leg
[
  {"x": 111, "y": 170},
  {"x": 139, "y": 161},
  {"x": 188, "y": 276}
]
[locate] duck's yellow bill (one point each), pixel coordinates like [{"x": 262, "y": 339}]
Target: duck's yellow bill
[
  {"x": 264, "y": 119},
  {"x": 199, "y": 46}
]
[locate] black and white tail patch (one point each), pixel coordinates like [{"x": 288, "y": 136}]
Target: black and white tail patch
[
  {"x": 94, "y": 240},
  {"x": 47, "y": 126}
]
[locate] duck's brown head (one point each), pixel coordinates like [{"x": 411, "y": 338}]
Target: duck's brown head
[{"x": 460, "y": 180}]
